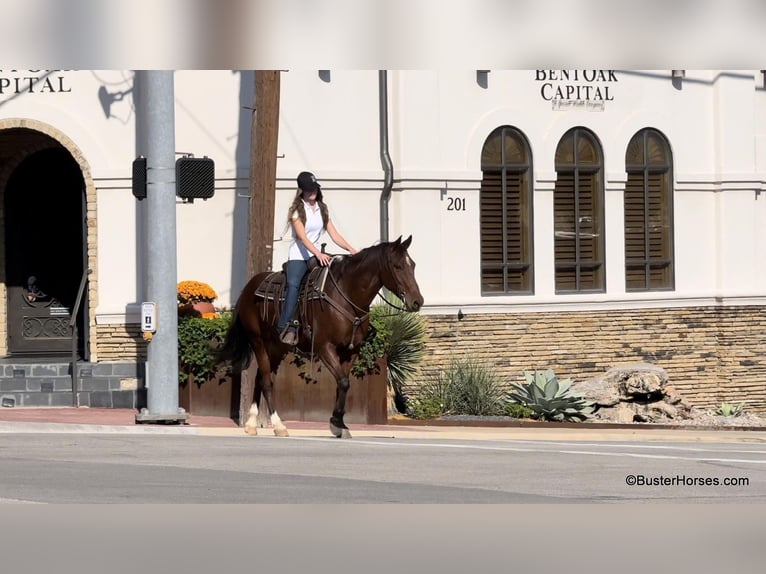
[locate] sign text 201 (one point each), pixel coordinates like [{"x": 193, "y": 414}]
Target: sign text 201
[{"x": 456, "y": 204}]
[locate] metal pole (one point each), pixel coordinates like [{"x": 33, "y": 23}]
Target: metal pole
[
  {"x": 385, "y": 156},
  {"x": 157, "y": 106}
]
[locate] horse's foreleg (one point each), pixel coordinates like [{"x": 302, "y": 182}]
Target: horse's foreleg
[{"x": 340, "y": 371}]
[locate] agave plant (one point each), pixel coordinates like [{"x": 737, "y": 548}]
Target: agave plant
[
  {"x": 549, "y": 398},
  {"x": 730, "y": 409}
]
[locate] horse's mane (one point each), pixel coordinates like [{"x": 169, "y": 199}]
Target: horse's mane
[{"x": 373, "y": 252}]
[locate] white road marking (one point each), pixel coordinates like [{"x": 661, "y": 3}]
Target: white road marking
[
  {"x": 539, "y": 450},
  {"x": 17, "y": 501}
]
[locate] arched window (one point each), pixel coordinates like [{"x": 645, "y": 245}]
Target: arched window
[
  {"x": 578, "y": 213},
  {"x": 506, "y": 213},
  {"x": 649, "y": 213}
]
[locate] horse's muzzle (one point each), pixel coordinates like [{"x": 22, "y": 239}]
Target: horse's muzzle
[{"x": 416, "y": 305}]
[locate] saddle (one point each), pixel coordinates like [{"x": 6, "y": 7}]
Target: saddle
[{"x": 273, "y": 287}]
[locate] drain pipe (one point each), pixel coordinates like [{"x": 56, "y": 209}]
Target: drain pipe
[{"x": 385, "y": 157}]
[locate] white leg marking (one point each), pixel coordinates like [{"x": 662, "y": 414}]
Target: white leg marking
[
  {"x": 251, "y": 426},
  {"x": 279, "y": 428}
]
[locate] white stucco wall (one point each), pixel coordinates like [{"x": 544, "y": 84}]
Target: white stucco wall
[{"x": 715, "y": 123}]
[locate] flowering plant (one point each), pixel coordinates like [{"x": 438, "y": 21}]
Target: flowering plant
[{"x": 194, "y": 292}]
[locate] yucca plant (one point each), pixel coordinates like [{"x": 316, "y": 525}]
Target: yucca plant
[
  {"x": 400, "y": 337},
  {"x": 464, "y": 387},
  {"x": 730, "y": 409},
  {"x": 405, "y": 347},
  {"x": 549, "y": 398},
  {"x": 479, "y": 390}
]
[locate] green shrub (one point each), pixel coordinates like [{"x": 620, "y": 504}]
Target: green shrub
[
  {"x": 198, "y": 339},
  {"x": 429, "y": 408},
  {"x": 463, "y": 388},
  {"x": 517, "y": 411},
  {"x": 549, "y": 398}
]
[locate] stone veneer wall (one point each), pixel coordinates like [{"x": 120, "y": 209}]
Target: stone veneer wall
[
  {"x": 120, "y": 342},
  {"x": 711, "y": 354}
]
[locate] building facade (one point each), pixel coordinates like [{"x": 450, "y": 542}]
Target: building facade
[{"x": 572, "y": 219}]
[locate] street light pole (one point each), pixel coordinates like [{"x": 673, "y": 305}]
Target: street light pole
[{"x": 156, "y": 141}]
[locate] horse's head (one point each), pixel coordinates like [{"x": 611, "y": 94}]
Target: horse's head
[{"x": 399, "y": 275}]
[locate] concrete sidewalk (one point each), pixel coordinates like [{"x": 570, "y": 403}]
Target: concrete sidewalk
[{"x": 96, "y": 420}]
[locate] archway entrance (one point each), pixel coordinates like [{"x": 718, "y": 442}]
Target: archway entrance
[{"x": 44, "y": 215}]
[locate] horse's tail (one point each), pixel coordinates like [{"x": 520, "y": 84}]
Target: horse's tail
[{"x": 236, "y": 345}]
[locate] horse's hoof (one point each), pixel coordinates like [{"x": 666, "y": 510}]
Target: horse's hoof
[
  {"x": 252, "y": 430},
  {"x": 281, "y": 432},
  {"x": 339, "y": 432}
]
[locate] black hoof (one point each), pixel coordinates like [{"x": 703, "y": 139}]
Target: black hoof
[{"x": 339, "y": 429}]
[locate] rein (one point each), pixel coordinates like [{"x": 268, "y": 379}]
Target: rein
[
  {"x": 356, "y": 321},
  {"x": 392, "y": 305}
]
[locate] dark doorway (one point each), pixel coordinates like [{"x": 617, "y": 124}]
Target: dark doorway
[{"x": 44, "y": 250}]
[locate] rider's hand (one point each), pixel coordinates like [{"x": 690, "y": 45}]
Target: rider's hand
[{"x": 323, "y": 259}]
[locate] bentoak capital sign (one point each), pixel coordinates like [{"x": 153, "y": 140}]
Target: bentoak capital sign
[
  {"x": 576, "y": 85},
  {"x": 33, "y": 82}
]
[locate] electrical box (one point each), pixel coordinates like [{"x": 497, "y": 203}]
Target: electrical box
[{"x": 148, "y": 317}]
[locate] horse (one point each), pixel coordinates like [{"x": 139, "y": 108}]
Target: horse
[{"x": 334, "y": 309}]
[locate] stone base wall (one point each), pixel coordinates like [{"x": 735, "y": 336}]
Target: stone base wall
[
  {"x": 120, "y": 342},
  {"x": 711, "y": 354}
]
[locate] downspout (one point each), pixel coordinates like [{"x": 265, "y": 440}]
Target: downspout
[{"x": 385, "y": 157}]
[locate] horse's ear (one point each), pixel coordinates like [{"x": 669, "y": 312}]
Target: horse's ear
[
  {"x": 398, "y": 241},
  {"x": 407, "y": 242}
]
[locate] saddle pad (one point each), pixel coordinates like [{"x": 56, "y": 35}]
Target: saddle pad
[{"x": 273, "y": 285}]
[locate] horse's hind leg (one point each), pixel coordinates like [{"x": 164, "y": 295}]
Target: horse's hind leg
[
  {"x": 252, "y": 424},
  {"x": 263, "y": 387},
  {"x": 270, "y": 366}
]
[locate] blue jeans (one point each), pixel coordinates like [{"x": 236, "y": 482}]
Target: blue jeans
[{"x": 296, "y": 270}]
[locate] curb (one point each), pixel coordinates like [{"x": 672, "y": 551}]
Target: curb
[{"x": 422, "y": 432}]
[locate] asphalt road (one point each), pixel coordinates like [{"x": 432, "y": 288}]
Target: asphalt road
[{"x": 111, "y": 468}]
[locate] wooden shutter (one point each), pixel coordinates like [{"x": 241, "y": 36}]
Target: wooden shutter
[
  {"x": 565, "y": 231},
  {"x": 505, "y": 213},
  {"x": 635, "y": 233},
  {"x": 491, "y": 216},
  {"x": 648, "y": 241}
]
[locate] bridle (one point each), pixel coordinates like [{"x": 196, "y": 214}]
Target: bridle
[{"x": 357, "y": 319}]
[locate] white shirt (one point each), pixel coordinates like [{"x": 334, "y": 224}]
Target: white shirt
[{"x": 314, "y": 227}]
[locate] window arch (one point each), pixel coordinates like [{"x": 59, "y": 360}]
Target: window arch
[
  {"x": 578, "y": 212},
  {"x": 649, "y": 213},
  {"x": 505, "y": 202}
]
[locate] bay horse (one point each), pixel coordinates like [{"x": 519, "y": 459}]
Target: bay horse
[{"x": 334, "y": 321}]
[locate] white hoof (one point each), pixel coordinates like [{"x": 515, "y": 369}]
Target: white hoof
[{"x": 251, "y": 425}]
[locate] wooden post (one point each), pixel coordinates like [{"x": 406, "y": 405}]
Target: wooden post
[{"x": 262, "y": 186}]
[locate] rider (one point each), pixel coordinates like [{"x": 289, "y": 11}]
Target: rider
[{"x": 309, "y": 217}]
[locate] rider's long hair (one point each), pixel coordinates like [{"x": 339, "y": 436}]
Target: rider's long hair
[{"x": 297, "y": 205}]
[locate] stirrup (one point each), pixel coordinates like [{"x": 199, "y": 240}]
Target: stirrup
[{"x": 290, "y": 338}]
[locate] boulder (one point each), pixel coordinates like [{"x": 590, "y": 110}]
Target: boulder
[{"x": 637, "y": 392}]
